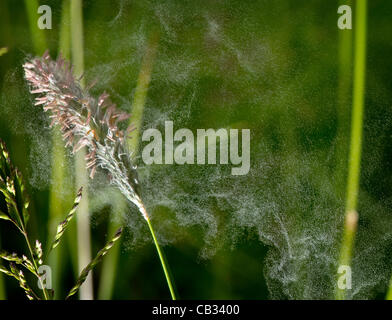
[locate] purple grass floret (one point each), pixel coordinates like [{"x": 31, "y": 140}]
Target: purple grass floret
[{"x": 85, "y": 121}]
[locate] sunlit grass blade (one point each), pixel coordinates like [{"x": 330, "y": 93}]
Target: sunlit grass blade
[
  {"x": 3, "y": 51},
  {"x": 344, "y": 98}
]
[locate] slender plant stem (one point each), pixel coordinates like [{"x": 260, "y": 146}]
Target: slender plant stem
[
  {"x": 83, "y": 223},
  {"x": 35, "y": 264},
  {"x": 351, "y": 215},
  {"x": 358, "y": 106},
  {"x": 343, "y": 105},
  {"x": 163, "y": 262}
]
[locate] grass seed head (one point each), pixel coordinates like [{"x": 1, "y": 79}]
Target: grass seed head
[{"x": 85, "y": 121}]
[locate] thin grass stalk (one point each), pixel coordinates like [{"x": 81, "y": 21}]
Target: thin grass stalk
[
  {"x": 343, "y": 102},
  {"x": 162, "y": 259},
  {"x": 83, "y": 223},
  {"x": 37, "y": 34},
  {"x": 133, "y": 141},
  {"x": 46, "y": 294},
  {"x": 351, "y": 215},
  {"x": 56, "y": 201},
  {"x": 40, "y": 45},
  {"x": 139, "y": 100}
]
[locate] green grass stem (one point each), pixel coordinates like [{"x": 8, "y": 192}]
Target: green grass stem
[
  {"x": 163, "y": 261},
  {"x": 344, "y": 98},
  {"x": 83, "y": 220},
  {"x": 351, "y": 215}
]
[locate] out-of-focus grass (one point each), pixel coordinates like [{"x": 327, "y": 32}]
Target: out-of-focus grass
[
  {"x": 81, "y": 175},
  {"x": 344, "y": 94},
  {"x": 57, "y": 198},
  {"x": 109, "y": 271},
  {"x": 3, "y": 51},
  {"x": 37, "y": 35}
]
